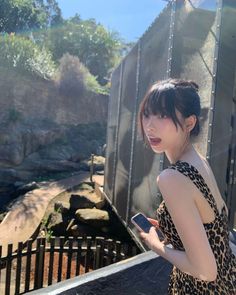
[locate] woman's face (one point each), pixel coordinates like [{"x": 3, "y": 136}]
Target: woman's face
[{"x": 161, "y": 132}]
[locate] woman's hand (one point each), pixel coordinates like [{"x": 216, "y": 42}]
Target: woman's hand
[
  {"x": 152, "y": 240},
  {"x": 154, "y": 222}
]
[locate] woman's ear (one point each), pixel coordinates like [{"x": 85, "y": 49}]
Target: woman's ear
[{"x": 190, "y": 122}]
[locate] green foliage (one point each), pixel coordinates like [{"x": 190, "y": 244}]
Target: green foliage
[
  {"x": 74, "y": 78},
  {"x": 23, "y": 55},
  {"x": 96, "y": 47},
  {"x": 20, "y": 15},
  {"x": 44, "y": 226},
  {"x": 93, "y": 85}
]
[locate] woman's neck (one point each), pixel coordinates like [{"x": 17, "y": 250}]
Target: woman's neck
[{"x": 181, "y": 153}]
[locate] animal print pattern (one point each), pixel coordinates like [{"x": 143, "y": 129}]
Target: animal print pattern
[{"x": 217, "y": 233}]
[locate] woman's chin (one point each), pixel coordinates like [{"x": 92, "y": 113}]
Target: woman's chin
[{"x": 157, "y": 150}]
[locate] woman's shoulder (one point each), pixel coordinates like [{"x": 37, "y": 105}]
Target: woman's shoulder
[
  {"x": 170, "y": 176},
  {"x": 178, "y": 176}
]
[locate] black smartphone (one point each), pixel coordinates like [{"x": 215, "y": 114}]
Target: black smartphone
[{"x": 141, "y": 222}]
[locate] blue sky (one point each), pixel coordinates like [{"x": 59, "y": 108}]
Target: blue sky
[{"x": 130, "y": 18}]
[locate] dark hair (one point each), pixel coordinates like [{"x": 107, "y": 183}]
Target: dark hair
[{"x": 163, "y": 97}]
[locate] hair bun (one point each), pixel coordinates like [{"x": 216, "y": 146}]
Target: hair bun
[
  {"x": 194, "y": 85},
  {"x": 179, "y": 83}
]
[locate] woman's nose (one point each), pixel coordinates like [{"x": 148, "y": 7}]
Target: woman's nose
[{"x": 149, "y": 124}]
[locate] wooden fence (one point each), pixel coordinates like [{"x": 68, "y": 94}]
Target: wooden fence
[{"x": 39, "y": 263}]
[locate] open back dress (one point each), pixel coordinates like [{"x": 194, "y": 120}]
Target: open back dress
[{"x": 218, "y": 236}]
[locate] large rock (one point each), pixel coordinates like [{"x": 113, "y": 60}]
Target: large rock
[
  {"x": 58, "y": 223},
  {"x": 80, "y": 202},
  {"x": 95, "y": 217},
  {"x": 86, "y": 199},
  {"x": 80, "y": 196}
]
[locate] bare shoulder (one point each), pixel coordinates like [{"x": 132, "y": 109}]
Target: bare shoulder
[
  {"x": 168, "y": 175},
  {"x": 171, "y": 182},
  {"x": 174, "y": 186}
]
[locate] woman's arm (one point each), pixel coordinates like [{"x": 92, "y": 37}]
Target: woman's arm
[{"x": 198, "y": 259}]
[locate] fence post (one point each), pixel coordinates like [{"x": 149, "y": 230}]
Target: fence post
[
  {"x": 78, "y": 256},
  {"x": 18, "y": 268},
  {"x": 36, "y": 264},
  {"x": 51, "y": 259},
  {"x": 8, "y": 269},
  {"x": 28, "y": 264},
  {"x": 109, "y": 251},
  {"x": 87, "y": 254},
  {"x": 117, "y": 251},
  {"x": 97, "y": 257},
  {"x": 102, "y": 253},
  {"x": 97, "y": 253},
  {"x": 60, "y": 261},
  {"x": 69, "y": 257},
  {"x": 41, "y": 265}
]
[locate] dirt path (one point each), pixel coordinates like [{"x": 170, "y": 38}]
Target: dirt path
[{"x": 25, "y": 216}]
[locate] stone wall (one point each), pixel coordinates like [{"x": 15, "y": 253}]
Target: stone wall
[{"x": 40, "y": 99}]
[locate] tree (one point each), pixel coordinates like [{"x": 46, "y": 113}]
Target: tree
[
  {"x": 96, "y": 47},
  {"x": 24, "y": 15}
]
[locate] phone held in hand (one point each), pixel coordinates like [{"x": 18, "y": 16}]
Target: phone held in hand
[{"x": 141, "y": 222}]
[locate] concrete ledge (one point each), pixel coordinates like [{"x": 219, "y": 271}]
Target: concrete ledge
[{"x": 141, "y": 274}]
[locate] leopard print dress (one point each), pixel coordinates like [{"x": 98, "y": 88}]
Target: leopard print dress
[{"x": 217, "y": 233}]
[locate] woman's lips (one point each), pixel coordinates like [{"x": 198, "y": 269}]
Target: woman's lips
[{"x": 154, "y": 141}]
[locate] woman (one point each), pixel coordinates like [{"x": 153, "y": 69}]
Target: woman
[{"x": 193, "y": 216}]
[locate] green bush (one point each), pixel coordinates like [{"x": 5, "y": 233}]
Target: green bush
[
  {"x": 74, "y": 78},
  {"x": 22, "y": 54}
]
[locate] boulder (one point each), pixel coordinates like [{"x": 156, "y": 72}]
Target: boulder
[
  {"x": 80, "y": 202},
  {"x": 86, "y": 199},
  {"x": 62, "y": 206},
  {"x": 95, "y": 217},
  {"x": 57, "y": 223}
]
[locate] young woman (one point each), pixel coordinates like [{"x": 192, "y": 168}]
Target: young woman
[{"x": 193, "y": 216}]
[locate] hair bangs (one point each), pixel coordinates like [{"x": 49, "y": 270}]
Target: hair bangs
[{"x": 155, "y": 104}]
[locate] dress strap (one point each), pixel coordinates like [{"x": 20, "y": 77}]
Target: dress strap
[{"x": 191, "y": 172}]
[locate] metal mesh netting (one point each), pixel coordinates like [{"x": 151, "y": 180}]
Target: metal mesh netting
[{"x": 191, "y": 40}]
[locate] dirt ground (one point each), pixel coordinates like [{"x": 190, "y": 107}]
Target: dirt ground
[{"x": 46, "y": 272}]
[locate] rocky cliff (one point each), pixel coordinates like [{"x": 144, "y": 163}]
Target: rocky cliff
[{"x": 43, "y": 132}]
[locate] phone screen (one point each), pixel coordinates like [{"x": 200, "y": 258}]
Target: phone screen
[{"x": 142, "y": 222}]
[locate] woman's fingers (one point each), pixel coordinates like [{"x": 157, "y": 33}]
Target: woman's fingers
[{"x": 154, "y": 222}]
